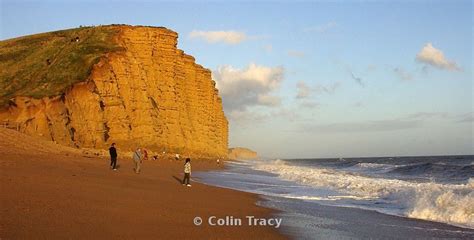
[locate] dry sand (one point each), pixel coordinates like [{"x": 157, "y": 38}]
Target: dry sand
[{"x": 54, "y": 192}]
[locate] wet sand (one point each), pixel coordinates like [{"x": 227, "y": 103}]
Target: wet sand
[
  {"x": 331, "y": 222},
  {"x": 54, "y": 192}
]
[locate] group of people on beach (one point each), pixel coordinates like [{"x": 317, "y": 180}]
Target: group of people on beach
[{"x": 142, "y": 154}]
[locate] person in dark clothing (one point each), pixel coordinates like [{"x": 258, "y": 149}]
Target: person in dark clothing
[
  {"x": 113, "y": 157},
  {"x": 187, "y": 172}
]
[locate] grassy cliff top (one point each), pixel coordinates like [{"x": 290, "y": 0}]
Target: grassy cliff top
[{"x": 47, "y": 64}]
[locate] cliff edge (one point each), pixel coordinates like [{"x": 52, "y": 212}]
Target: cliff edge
[{"x": 91, "y": 86}]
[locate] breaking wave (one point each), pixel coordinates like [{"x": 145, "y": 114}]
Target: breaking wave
[{"x": 442, "y": 202}]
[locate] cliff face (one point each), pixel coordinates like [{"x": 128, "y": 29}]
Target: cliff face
[
  {"x": 151, "y": 95},
  {"x": 241, "y": 153}
]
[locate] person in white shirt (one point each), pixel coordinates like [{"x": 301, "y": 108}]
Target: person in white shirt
[
  {"x": 137, "y": 159},
  {"x": 187, "y": 172}
]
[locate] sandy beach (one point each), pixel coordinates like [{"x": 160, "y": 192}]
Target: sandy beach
[{"x": 54, "y": 192}]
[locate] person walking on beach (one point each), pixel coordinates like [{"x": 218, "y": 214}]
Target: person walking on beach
[
  {"x": 137, "y": 159},
  {"x": 113, "y": 157},
  {"x": 187, "y": 172},
  {"x": 145, "y": 154}
]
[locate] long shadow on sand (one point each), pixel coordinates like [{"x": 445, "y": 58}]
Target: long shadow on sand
[{"x": 178, "y": 179}]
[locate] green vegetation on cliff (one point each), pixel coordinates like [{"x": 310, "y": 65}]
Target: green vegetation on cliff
[{"x": 47, "y": 64}]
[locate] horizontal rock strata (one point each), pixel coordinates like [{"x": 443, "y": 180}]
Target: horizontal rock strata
[{"x": 151, "y": 95}]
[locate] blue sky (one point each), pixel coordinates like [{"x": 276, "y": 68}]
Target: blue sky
[{"x": 312, "y": 78}]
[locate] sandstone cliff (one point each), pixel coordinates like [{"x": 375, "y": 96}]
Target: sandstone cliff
[
  {"x": 147, "y": 93},
  {"x": 241, "y": 153}
]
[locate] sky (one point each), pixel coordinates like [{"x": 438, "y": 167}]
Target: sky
[{"x": 311, "y": 79}]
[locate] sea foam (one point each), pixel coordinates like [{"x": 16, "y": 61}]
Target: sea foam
[{"x": 448, "y": 203}]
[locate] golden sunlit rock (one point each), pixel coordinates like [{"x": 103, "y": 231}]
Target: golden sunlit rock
[{"x": 149, "y": 94}]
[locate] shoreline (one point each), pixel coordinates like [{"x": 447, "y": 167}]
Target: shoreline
[
  {"x": 342, "y": 222},
  {"x": 55, "y": 192},
  {"x": 310, "y": 219}
]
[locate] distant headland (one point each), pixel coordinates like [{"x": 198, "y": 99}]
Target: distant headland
[{"x": 242, "y": 153}]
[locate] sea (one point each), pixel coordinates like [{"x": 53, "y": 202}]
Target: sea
[{"x": 361, "y": 197}]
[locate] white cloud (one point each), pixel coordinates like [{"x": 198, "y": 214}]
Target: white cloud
[
  {"x": 436, "y": 116},
  {"x": 244, "y": 117},
  {"x": 402, "y": 74},
  {"x": 310, "y": 104},
  {"x": 414, "y": 120},
  {"x": 269, "y": 100},
  {"x": 255, "y": 116},
  {"x": 358, "y": 80},
  {"x": 435, "y": 57},
  {"x": 330, "y": 89},
  {"x": 367, "y": 126},
  {"x": 285, "y": 113},
  {"x": 252, "y": 86},
  {"x": 268, "y": 48},
  {"x": 297, "y": 54},
  {"x": 427, "y": 115},
  {"x": 321, "y": 28},
  {"x": 305, "y": 91},
  {"x": 229, "y": 37}
]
